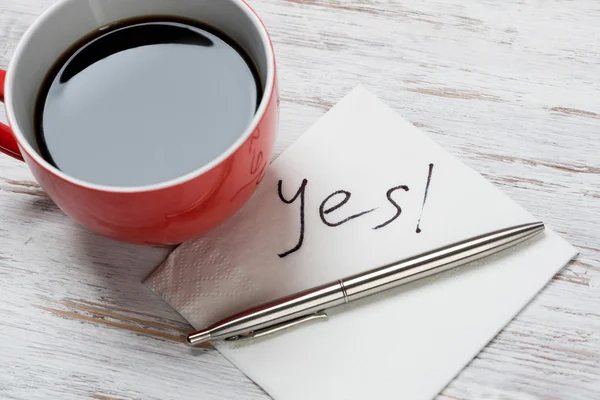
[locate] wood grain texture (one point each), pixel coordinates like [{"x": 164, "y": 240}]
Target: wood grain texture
[{"x": 510, "y": 87}]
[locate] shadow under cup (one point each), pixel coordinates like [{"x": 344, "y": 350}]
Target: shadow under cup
[{"x": 168, "y": 212}]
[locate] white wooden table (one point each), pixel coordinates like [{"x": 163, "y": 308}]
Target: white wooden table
[{"x": 511, "y": 87}]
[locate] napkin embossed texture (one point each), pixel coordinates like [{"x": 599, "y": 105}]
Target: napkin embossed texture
[{"x": 361, "y": 188}]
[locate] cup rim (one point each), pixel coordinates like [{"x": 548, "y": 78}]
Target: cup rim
[{"x": 32, "y": 154}]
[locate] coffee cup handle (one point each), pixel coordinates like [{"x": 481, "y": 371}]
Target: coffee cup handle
[{"x": 8, "y": 143}]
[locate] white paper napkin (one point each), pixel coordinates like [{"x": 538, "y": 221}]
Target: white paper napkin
[{"x": 404, "y": 344}]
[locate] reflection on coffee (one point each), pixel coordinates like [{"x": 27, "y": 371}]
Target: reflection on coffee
[{"x": 145, "y": 101}]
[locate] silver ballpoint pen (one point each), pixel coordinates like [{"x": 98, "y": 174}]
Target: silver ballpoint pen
[{"x": 310, "y": 304}]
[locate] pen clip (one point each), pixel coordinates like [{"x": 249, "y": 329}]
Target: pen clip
[{"x": 276, "y": 328}]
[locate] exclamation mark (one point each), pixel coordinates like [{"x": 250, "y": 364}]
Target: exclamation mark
[{"x": 425, "y": 197}]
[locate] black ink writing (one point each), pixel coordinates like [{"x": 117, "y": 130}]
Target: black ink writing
[
  {"x": 323, "y": 212},
  {"x": 398, "y": 209},
  {"x": 334, "y": 202},
  {"x": 300, "y": 193},
  {"x": 425, "y": 197}
]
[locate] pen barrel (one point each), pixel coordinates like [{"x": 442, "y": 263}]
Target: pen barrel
[
  {"x": 290, "y": 307},
  {"x": 435, "y": 262}
]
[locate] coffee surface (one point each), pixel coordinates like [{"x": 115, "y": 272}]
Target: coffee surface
[{"x": 145, "y": 102}]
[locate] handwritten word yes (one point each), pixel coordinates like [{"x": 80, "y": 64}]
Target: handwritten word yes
[{"x": 329, "y": 205}]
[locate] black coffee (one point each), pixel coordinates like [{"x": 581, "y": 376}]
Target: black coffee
[{"x": 145, "y": 101}]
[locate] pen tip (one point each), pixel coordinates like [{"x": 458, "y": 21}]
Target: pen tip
[
  {"x": 538, "y": 226},
  {"x": 531, "y": 229},
  {"x": 198, "y": 338}
]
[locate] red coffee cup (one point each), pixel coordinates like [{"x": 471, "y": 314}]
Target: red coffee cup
[{"x": 165, "y": 213}]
